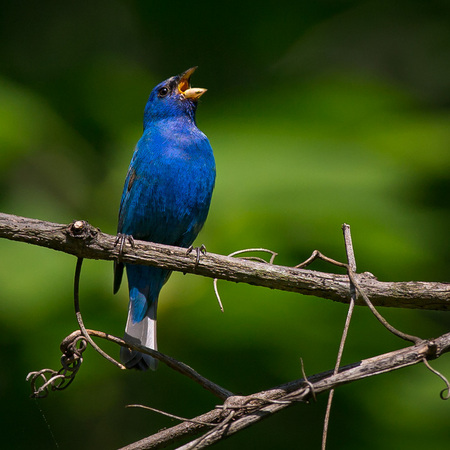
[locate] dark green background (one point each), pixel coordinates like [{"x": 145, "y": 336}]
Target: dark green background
[{"x": 319, "y": 113}]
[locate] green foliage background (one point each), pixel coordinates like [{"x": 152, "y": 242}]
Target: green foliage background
[{"x": 319, "y": 113}]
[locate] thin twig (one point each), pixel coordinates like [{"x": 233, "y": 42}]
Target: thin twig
[
  {"x": 319, "y": 255},
  {"x": 80, "y": 318},
  {"x": 179, "y": 366},
  {"x": 248, "y": 258},
  {"x": 72, "y": 348},
  {"x": 211, "y": 436},
  {"x": 381, "y": 319},
  {"x": 352, "y": 267},
  {"x": 353, "y": 280},
  {"x": 172, "y": 416},
  {"x": 216, "y": 291},
  {"x": 443, "y": 395},
  {"x": 354, "y": 286},
  {"x": 349, "y": 247},
  {"x": 307, "y": 382}
]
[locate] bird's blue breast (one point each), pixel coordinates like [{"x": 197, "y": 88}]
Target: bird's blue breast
[{"x": 169, "y": 184}]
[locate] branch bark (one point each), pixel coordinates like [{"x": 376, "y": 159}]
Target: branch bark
[
  {"x": 255, "y": 407},
  {"x": 83, "y": 240}
]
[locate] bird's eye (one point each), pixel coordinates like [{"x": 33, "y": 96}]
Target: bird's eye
[{"x": 163, "y": 92}]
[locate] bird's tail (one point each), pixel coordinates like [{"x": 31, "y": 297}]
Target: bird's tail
[{"x": 142, "y": 333}]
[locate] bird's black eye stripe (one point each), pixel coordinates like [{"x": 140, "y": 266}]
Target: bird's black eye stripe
[{"x": 163, "y": 92}]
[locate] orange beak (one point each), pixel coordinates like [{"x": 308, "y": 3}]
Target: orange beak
[{"x": 184, "y": 86}]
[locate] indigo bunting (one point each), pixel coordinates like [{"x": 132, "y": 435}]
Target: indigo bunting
[{"x": 165, "y": 199}]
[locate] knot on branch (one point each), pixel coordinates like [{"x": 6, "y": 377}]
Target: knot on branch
[
  {"x": 249, "y": 402},
  {"x": 432, "y": 349},
  {"x": 44, "y": 380},
  {"x": 81, "y": 229}
]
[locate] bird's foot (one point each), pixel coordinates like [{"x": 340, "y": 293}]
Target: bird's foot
[
  {"x": 198, "y": 250},
  {"x": 120, "y": 241}
]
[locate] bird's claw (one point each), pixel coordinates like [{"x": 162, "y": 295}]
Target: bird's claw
[
  {"x": 198, "y": 250},
  {"x": 121, "y": 239}
]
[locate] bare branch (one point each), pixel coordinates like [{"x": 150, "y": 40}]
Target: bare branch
[
  {"x": 83, "y": 240},
  {"x": 255, "y": 407}
]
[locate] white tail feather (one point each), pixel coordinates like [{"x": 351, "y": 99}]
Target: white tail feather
[{"x": 142, "y": 333}]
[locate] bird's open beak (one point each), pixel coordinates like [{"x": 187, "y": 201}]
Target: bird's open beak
[{"x": 184, "y": 86}]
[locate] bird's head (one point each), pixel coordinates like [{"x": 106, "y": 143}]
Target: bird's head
[{"x": 173, "y": 97}]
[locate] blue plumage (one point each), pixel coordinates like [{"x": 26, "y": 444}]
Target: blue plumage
[{"x": 166, "y": 199}]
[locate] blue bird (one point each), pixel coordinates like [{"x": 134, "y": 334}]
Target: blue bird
[{"x": 165, "y": 199}]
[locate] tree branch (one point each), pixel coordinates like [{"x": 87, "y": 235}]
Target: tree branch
[
  {"x": 255, "y": 407},
  {"x": 238, "y": 412},
  {"x": 83, "y": 240}
]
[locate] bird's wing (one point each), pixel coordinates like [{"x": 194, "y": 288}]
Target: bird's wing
[{"x": 129, "y": 181}]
